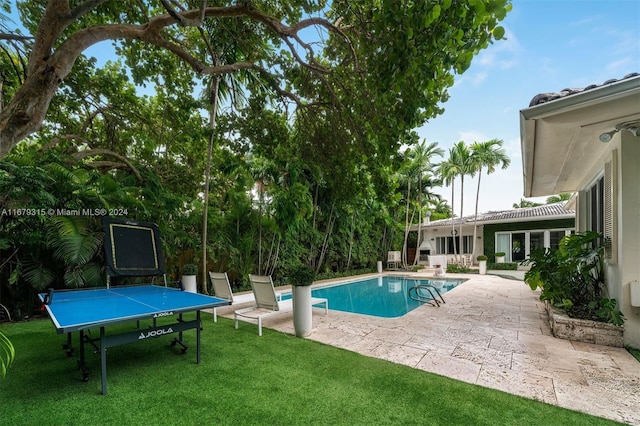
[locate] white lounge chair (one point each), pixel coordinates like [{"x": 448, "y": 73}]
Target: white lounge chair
[
  {"x": 394, "y": 259},
  {"x": 221, "y": 288},
  {"x": 268, "y": 303}
]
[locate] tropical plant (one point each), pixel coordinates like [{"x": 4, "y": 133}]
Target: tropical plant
[
  {"x": 7, "y": 354},
  {"x": 487, "y": 154},
  {"x": 462, "y": 157},
  {"x": 558, "y": 198},
  {"x": 524, "y": 204},
  {"x": 572, "y": 278},
  {"x": 420, "y": 165},
  {"x": 448, "y": 171}
]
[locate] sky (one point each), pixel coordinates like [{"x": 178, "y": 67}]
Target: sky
[{"x": 550, "y": 45}]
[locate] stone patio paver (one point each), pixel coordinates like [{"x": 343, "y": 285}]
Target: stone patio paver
[{"x": 492, "y": 332}]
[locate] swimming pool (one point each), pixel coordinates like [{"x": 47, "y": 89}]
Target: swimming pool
[{"x": 378, "y": 296}]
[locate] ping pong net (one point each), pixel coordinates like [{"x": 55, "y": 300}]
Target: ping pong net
[{"x": 132, "y": 249}]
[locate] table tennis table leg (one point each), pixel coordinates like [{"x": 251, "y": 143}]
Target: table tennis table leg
[
  {"x": 103, "y": 361},
  {"x": 81, "y": 362},
  {"x": 68, "y": 347},
  {"x": 198, "y": 337}
]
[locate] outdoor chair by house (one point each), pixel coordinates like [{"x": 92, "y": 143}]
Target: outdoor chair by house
[
  {"x": 268, "y": 303},
  {"x": 394, "y": 260},
  {"x": 221, "y": 288}
]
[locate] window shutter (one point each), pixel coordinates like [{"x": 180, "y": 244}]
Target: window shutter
[{"x": 610, "y": 202}]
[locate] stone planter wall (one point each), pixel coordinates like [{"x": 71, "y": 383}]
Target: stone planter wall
[{"x": 580, "y": 330}]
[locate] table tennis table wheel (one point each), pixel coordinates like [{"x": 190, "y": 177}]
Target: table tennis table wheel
[
  {"x": 178, "y": 342},
  {"x": 85, "y": 371}
]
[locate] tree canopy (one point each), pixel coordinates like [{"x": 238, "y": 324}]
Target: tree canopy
[
  {"x": 316, "y": 100},
  {"x": 375, "y": 68}
]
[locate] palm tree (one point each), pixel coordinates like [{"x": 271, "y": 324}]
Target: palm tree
[
  {"x": 558, "y": 198},
  {"x": 487, "y": 154},
  {"x": 524, "y": 203},
  {"x": 439, "y": 208},
  {"x": 462, "y": 158},
  {"x": 420, "y": 166},
  {"x": 448, "y": 170}
]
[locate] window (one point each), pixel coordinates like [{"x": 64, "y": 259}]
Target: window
[
  {"x": 554, "y": 239},
  {"x": 517, "y": 245},
  {"x": 536, "y": 240},
  {"x": 445, "y": 244},
  {"x": 596, "y": 206},
  {"x": 610, "y": 190},
  {"x": 503, "y": 245}
]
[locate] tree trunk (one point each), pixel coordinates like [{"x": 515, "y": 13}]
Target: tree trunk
[
  {"x": 461, "y": 245},
  {"x": 207, "y": 173},
  {"x": 325, "y": 243},
  {"x": 475, "y": 219},
  {"x": 453, "y": 224},
  {"x": 406, "y": 226}
]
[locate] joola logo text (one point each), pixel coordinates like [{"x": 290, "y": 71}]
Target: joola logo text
[
  {"x": 163, "y": 314},
  {"x": 155, "y": 333}
]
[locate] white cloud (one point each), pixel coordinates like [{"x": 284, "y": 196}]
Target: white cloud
[
  {"x": 620, "y": 68},
  {"x": 478, "y": 78},
  {"x": 502, "y": 54},
  {"x": 471, "y": 136}
]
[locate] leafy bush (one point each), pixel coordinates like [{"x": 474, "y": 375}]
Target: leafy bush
[
  {"x": 507, "y": 266},
  {"x": 481, "y": 257},
  {"x": 301, "y": 276},
  {"x": 189, "y": 269},
  {"x": 453, "y": 268},
  {"x": 500, "y": 254},
  {"x": 572, "y": 278},
  {"x": 353, "y": 272}
]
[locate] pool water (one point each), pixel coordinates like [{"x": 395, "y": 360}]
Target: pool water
[{"x": 378, "y": 296}]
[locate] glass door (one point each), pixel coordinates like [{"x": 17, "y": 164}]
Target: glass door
[
  {"x": 503, "y": 244},
  {"x": 517, "y": 247}
]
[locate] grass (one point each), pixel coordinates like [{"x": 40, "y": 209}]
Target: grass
[{"x": 244, "y": 379}]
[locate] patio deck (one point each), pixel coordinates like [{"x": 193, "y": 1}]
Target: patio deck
[{"x": 492, "y": 332}]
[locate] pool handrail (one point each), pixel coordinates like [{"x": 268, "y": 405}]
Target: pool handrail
[{"x": 419, "y": 298}]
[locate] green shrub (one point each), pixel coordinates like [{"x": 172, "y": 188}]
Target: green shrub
[
  {"x": 189, "y": 269},
  {"x": 352, "y": 272},
  {"x": 301, "y": 276},
  {"x": 481, "y": 257},
  {"x": 453, "y": 268},
  {"x": 572, "y": 278},
  {"x": 507, "y": 266}
]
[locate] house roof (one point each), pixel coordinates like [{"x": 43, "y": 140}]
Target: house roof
[
  {"x": 530, "y": 214},
  {"x": 560, "y": 133},
  {"x": 546, "y": 97}
]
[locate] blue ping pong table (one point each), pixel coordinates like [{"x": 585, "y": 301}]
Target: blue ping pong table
[{"x": 81, "y": 310}]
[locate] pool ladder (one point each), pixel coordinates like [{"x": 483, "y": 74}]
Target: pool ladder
[{"x": 415, "y": 294}]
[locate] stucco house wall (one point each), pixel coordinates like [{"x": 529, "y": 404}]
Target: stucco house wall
[
  {"x": 626, "y": 269},
  {"x": 540, "y": 218},
  {"x": 581, "y": 140}
]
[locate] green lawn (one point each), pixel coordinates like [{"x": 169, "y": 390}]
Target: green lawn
[{"x": 244, "y": 379}]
